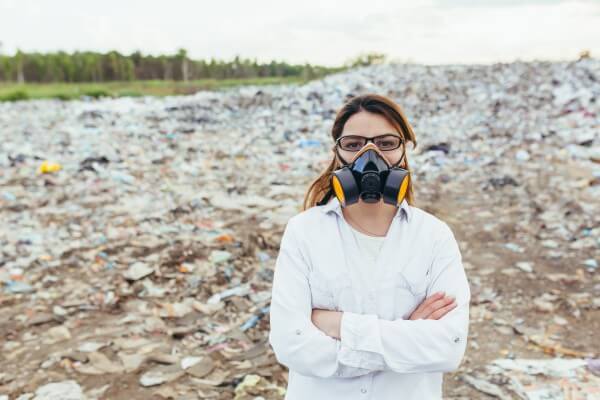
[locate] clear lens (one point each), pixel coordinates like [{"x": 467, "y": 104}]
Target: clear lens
[
  {"x": 352, "y": 143},
  {"x": 388, "y": 142}
]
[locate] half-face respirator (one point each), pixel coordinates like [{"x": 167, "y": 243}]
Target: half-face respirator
[{"x": 370, "y": 177}]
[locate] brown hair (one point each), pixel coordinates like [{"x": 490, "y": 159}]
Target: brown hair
[{"x": 372, "y": 103}]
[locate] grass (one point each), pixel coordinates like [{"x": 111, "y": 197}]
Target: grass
[{"x": 69, "y": 91}]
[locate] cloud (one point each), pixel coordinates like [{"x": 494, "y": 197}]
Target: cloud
[{"x": 429, "y": 31}]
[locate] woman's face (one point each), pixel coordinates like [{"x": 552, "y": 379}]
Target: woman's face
[{"x": 369, "y": 125}]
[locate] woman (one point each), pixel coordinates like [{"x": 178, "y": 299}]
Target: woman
[{"x": 370, "y": 299}]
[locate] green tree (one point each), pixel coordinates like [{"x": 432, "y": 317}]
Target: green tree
[{"x": 366, "y": 59}]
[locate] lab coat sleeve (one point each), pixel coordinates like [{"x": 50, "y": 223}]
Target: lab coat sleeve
[
  {"x": 413, "y": 346},
  {"x": 296, "y": 341}
]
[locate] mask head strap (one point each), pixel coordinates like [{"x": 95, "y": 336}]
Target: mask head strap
[
  {"x": 337, "y": 153},
  {"x": 326, "y": 197},
  {"x": 401, "y": 158}
]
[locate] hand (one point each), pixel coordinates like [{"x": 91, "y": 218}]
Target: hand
[
  {"x": 434, "y": 307},
  {"x": 328, "y": 321}
]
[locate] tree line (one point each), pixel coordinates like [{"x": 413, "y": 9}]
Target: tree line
[{"x": 90, "y": 66}]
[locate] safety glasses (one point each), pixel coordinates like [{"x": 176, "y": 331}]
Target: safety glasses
[{"x": 386, "y": 142}]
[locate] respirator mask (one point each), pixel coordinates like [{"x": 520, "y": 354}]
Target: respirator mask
[{"x": 369, "y": 176}]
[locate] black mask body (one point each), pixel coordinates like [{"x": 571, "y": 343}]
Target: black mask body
[{"x": 370, "y": 177}]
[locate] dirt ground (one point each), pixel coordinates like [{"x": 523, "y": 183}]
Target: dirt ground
[{"x": 502, "y": 304}]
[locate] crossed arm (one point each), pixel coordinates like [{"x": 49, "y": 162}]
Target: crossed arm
[{"x": 365, "y": 342}]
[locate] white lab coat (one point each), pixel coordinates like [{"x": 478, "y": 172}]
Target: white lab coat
[{"x": 381, "y": 355}]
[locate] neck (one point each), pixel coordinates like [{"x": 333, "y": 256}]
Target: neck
[{"x": 371, "y": 217}]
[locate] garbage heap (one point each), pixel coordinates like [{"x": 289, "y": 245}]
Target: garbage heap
[{"x": 139, "y": 235}]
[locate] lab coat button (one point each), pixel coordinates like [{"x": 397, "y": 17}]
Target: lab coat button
[
  {"x": 298, "y": 331},
  {"x": 363, "y": 390},
  {"x": 456, "y": 339}
]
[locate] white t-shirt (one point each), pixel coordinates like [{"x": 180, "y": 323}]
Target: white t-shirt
[{"x": 369, "y": 245}]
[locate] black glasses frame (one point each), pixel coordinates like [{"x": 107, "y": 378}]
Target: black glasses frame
[{"x": 367, "y": 140}]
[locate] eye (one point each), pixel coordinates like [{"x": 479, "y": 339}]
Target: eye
[
  {"x": 351, "y": 144},
  {"x": 388, "y": 143}
]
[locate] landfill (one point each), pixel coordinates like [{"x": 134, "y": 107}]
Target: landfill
[{"x": 139, "y": 235}]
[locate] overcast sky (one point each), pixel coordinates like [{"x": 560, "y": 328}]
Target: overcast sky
[{"x": 316, "y": 31}]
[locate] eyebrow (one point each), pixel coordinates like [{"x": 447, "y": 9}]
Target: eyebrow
[
  {"x": 373, "y": 137},
  {"x": 381, "y": 134}
]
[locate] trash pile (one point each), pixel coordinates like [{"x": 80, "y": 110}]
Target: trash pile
[
  {"x": 556, "y": 378},
  {"x": 139, "y": 235}
]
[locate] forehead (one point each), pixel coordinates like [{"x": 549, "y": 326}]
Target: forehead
[{"x": 367, "y": 124}]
